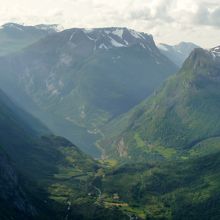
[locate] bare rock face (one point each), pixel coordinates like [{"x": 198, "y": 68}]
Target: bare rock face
[{"x": 122, "y": 149}]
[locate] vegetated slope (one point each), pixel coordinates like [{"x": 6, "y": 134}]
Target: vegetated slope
[
  {"x": 180, "y": 179},
  {"x": 14, "y": 37},
  {"x": 177, "y": 53},
  {"x": 54, "y": 175},
  {"x": 184, "y": 189},
  {"x": 83, "y": 78},
  {"x": 183, "y": 113}
]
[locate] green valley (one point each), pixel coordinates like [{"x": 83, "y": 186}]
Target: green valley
[{"x": 151, "y": 132}]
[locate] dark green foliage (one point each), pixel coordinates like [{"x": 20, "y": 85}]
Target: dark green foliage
[
  {"x": 177, "y": 132},
  {"x": 171, "y": 141},
  {"x": 179, "y": 190},
  {"x": 50, "y": 175},
  {"x": 183, "y": 113}
]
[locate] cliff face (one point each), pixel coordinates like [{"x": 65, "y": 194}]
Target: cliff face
[{"x": 14, "y": 203}]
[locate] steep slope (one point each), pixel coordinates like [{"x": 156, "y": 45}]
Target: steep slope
[
  {"x": 180, "y": 116},
  {"x": 14, "y": 37},
  {"x": 55, "y": 177},
  {"x": 83, "y": 78},
  {"x": 177, "y": 53},
  {"x": 14, "y": 203}
]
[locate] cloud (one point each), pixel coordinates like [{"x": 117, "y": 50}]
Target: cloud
[
  {"x": 158, "y": 12},
  {"x": 168, "y": 20},
  {"x": 207, "y": 16}
]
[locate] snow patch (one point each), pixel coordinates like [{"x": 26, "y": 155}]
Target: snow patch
[
  {"x": 72, "y": 35},
  {"x": 215, "y": 52},
  {"x": 88, "y": 30},
  {"x": 90, "y": 38},
  {"x": 116, "y": 44},
  {"x": 162, "y": 47},
  {"x": 179, "y": 51},
  {"x": 52, "y": 27},
  {"x": 142, "y": 45},
  {"x": 118, "y": 32},
  {"x": 103, "y": 46},
  {"x": 136, "y": 34}
]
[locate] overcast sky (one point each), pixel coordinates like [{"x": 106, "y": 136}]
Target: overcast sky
[{"x": 170, "y": 21}]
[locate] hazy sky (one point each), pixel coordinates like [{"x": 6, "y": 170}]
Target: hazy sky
[{"x": 170, "y": 21}]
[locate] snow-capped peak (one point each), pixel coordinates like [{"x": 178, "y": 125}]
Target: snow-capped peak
[
  {"x": 107, "y": 38},
  {"x": 118, "y": 32},
  {"x": 13, "y": 25},
  {"x": 50, "y": 27},
  {"x": 44, "y": 27}
]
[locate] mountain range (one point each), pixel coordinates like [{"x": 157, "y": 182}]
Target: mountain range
[
  {"x": 14, "y": 37},
  {"x": 177, "y": 53},
  {"x": 171, "y": 142},
  {"x": 79, "y": 79},
  {"x": 43, "y": 176},
  {"x": 155, "y": 123},
  {"x": 179, "y": 117}
]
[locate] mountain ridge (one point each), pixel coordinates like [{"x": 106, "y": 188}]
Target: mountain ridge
[
  {"x": 177, "y": 53},
  {"x": 180, "y": 114},
  {"x": 66, "y": 75}
]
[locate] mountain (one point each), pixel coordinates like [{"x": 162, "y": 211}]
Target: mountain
[
  {"x": 14, "y": 37},
  {"x": 82, "y": 78},
  {"x": 171, "y": 141},
  {"x": 172, "y": 144},
  {"x": 43, "y": 176},
  {"x": 177, "y": 53},
  {"x": 181, "y": 118}
]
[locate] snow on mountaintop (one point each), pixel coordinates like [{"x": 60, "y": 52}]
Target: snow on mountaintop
[
  {"x": 101, "y": 38},
  {"x": 13, "y": 25},
  {"x": 50, "y": 27},
  {"x": 162, "y": 47},
  {"x": 215, "y": 51},
  {"x": 44, "y": 27},
  {"x": 107, "y": 38},
  {"x": 118, "y": 32}
]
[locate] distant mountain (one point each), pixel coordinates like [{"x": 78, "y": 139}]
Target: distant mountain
[
  {"x": 82, "y": 78},
  {"x": 182, "y": 117},
  {"x": 177, "y": 53},
  {"x": 14, "y": 37}
]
